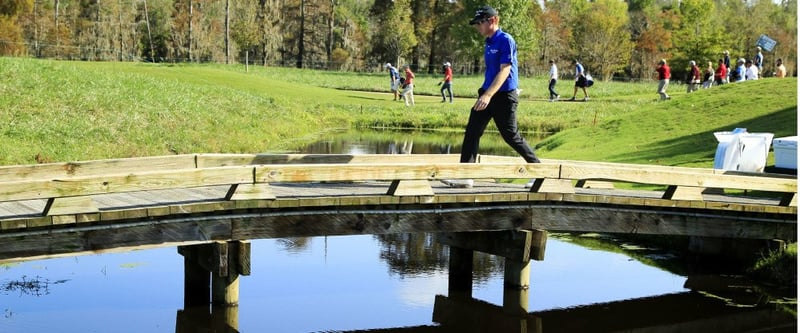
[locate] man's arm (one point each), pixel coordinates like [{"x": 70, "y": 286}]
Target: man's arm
[{"x": 499, "y": 79}]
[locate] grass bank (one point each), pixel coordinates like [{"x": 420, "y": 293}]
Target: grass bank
[{"x": 66, "y": 111}]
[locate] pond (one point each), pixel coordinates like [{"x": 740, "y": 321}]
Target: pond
[{"x": 387, "y": 282}]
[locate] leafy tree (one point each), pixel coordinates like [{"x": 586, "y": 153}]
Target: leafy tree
[
  {"x": 554, "y": 35},
  {"x": 652, "y": 38},
  {"x": 153, "y": 30},
  {"x": 698, "y": 36},
  {"x": 271, "y": 38},
  {"x": 602, "y": 37},
  {"x": 350, "y": 33},
  {"x": 11, "y": 33},
  {"x": 782, "y": 27},
  {"x": 393, "y": 37}
]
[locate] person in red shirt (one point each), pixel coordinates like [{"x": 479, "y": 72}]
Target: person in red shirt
[
  {"x": 446, "y": 83},
  {"x": 663, "y": 79},
  {"x": 722, "y": 73},
  {"x": 408, "y": 86}
]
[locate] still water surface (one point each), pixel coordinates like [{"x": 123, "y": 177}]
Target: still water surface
[
  {"x": 321, "y": 284},
  {"x": 330, "y": 283}
]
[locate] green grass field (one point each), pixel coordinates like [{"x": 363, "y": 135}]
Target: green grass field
[{"x": 68, "y": 111}]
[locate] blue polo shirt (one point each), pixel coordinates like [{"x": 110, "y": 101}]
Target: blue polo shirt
[{"x": 500, "y": 49}]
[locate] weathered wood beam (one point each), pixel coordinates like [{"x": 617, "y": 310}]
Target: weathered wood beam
[
  {"x": 677, "y": 178},
  {"x": 250, "y": 192},
  {"x": 516, "y": 245},
  {"x": 15, "y": 173},
  {"x": 70, "y": 205},
  {"x": 167, "y": 230},
  {"x": 545, "y": 185},
  {"x": 410, "y": 188},
  {"x": 683, "y": 193}
]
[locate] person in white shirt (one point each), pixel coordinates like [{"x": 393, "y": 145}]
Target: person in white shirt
[
  {"x": 751, "y": 71},
  {"x": 780, "y": 69},
  {"x": 553, "y": 79}
]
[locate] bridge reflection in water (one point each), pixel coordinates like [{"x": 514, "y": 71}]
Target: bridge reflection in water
[{"x": 714, "y": 304}]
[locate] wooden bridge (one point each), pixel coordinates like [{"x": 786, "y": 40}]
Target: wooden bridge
[{"x": 66, "y": 208}]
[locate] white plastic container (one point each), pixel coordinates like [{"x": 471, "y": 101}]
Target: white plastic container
[
  {"x": 742, "y": 151},
  {"x": 785, "y": 150}
]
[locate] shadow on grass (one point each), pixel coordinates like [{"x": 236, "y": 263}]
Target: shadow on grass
[{"x": 698, "y": 144}]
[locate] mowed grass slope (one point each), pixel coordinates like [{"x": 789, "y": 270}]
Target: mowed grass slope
[
  {"x": 681, "y": 131},
  {"x": 67, "y": 111}
]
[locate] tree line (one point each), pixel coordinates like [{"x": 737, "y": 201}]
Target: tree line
[{"x": 612, "y": 38}]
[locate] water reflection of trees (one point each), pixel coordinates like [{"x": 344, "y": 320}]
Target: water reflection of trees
[
  {"x": 420, "y": 254},
  {"x": 364, "y": 141}
]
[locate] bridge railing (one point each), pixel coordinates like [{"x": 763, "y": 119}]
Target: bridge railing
[{"x": 67, "y": 187}]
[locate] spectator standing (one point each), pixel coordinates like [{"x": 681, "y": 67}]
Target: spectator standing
[
  {"x": 708, "y": 76},
  {"x": 498, "y": 96},
  {"x": 721, "y": 74},
  {"x": 727, "y": 58},
  {"x": 750, "y": 71},
  {"x": 580, "y": 81},
  {"x": 408, "y": 89},
  {"x": 694, "y": 77},
  {"x": 553, "y": 79},
  {"x": 780, "y": 69},
  {"x": 447, "y": 82},
  {"x": 758, "y": 60},
  {"x": 737, "y": 74},
  {"x": 663, "y": 79},
  {"x": 394, "y": 80}
]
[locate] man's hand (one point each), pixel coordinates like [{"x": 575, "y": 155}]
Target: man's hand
[
  {"x": 440, "y": 83},
  {"x": 482, "y": 103}
]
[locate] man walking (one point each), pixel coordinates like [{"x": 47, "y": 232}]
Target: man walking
[
  {"x": 553, "y": 79},
  {"x": 394, "y": 80},
  {"x": 498, "y": 96},
  {"x": 663, "y": 79},
  {"x": 580, "y": 81},
  {"x": 447, "y": 83}
]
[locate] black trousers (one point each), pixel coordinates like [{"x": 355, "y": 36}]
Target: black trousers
[
  {"x": 503, "y": 109},
  {"x": 552, "y": 87}
]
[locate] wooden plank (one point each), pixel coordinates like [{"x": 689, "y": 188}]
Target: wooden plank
[
  {"x": 390, "y": 172},
  {"x": 511, "y": 244},
  {"x": 547, "y": 185},
  {"x": 13, "y": 224},
  {"x": 97, "y": 167},
  {"x": 219, "y": 160},
  {"x": 410, "y": 187},
  {"x": 594, "y": 184},
  {"x": 250, "y": 192},
  {"x": 683, "y": 193},
  {"x": 243, "y": 254},
  {"x": 678, "y": 178},
  {"x": 76, "y": 186},
  {"x": 538, "y": 244},
  {"x": 70, "y": 205},
  {"x": 64, "y": 219},
  {"x": 220, "y": 259}
]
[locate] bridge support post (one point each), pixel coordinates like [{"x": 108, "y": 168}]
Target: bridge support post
[
  {"x": 518, "y": 247},
  {"x": 212, "y": 276},
  {"x": 516, "y": 286},
  {"x": 459, "y": 284}
]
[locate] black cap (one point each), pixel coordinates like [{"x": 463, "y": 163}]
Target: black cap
[{"x": 483, "y": 13}]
